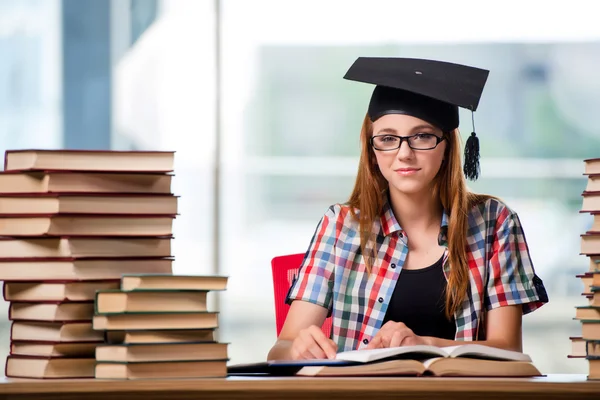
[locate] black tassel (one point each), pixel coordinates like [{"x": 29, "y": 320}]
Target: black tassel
[{"x": 471, "y": 167}]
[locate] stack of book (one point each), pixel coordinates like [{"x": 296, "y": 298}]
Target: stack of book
[
  {"x": 159, "y": 326},
  {"x": 71, "y": 223},
  {"x": 588, "y": 344}
]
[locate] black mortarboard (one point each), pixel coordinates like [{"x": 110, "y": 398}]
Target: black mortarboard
[{"x": 427, "y": 89}]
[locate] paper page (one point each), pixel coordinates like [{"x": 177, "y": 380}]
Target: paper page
[
  {"x": 378, "y": 354},
  {"x": 427, "y": 363},
  {"x": 311, "y": 362},
  {"x": 488, "y": 352}
]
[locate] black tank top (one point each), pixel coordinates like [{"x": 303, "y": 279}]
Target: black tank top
[{"x": 419, "y": 302}]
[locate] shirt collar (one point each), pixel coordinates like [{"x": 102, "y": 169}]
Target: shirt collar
[{"x": 389, "y": 223}]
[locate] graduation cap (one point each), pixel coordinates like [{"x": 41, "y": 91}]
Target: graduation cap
[{"x": 427, "y": 89}]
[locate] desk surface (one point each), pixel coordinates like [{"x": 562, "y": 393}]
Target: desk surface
[{"x": 548, "y": 387}]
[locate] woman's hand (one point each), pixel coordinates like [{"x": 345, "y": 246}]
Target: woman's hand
[
  {"x": 395, "y": 334},
  {"x": 312, "y": 343}
]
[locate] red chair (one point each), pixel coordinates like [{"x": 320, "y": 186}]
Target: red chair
[{"x": 285, "y": 268}]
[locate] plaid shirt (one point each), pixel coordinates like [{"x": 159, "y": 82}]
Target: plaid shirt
[{"x": 333, "y": 274}]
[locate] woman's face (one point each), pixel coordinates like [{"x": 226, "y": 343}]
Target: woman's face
[{"x": 407, "y": 170}]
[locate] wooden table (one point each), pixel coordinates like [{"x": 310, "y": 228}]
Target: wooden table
[{"x": 549, "y": 387}]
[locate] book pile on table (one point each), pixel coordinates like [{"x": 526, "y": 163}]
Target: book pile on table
[
  {"x": 588, "y": 344},
  {"x": 72, "y": 223},
  {"x": 159, "y": 326}
]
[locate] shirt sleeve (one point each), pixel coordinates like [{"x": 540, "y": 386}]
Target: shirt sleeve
[
  {"x": 511, "y": 276},
  {"x": 314, "y": 282}
]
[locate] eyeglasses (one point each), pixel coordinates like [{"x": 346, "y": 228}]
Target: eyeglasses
[{"x": 420, "y": 141}]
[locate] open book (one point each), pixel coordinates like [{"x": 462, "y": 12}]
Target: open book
[
  {"x": 425, "y": 351},
  {"x": 463, "y": 360}
]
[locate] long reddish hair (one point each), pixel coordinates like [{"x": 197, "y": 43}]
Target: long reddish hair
[{"x": 449, "y": 186}]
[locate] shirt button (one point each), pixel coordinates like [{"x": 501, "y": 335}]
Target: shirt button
[
  {"x": 380, "y": 299},
  {"x": 393, "y": 266},
  {"x": 365, "y": 341}
]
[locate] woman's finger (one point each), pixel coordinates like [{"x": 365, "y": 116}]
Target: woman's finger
[
  {"x": 328, "y": 346},
  {"x": 316, "y": 351},
  {"x": 294, "y": 353},
  {"x": 410, "y": 340},
  {"x": 398, "y": 337},
  {"x": 375, "y": 343}
]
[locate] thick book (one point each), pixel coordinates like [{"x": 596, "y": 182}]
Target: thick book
[
  {"x": 37, "y": 291},
  {"x": 84, "y": 270},
  {"x": 587, "y": 313},
  {"x": 162, "y": 370},
  {"x": 54, "y": 332},
  {"x": 84, "y": 247},
  {"x": 49, "y": 368},
  {"x": 149, "y": 352},
  {"x": 593, "y": 183},
  {"x": 433, "y": 366},
  {"x": 465, "y": 350},
  {"x": 595, "y": 228},
  {"x": 578, "y": 347},
  {"x": 159, "y": 336},
  {"x": 87, "y": 225},
  {"x": 84, "y": 182},
  {"x": 54, "y": 312},
  {"x": 173, "y": 282},
  {"x": 590, "y": 329},
  {"x": 89, "y": 160},
  {"x": 592, "y": 348},
  {"x": 113, "y": 204},
  {"x": 590, "y": 244},
  {"x": 117, "y": 301},
  {"x": 592, "y": 166},
  {"x": 156, "y": 320},
  {"x": 462, "y": 360},
  {"x": 591, "y": 201},
  {"x": 54, "y": 349}
]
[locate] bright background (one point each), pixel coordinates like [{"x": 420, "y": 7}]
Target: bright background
[{"x": 250, "y": 95}]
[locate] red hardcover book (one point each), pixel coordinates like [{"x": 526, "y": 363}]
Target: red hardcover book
[
  {"x": 90, "y": 269},
  {"x": 55, "y": 291},
  {"x": 49, "y": 367},
  {"x": 89, "y": 160},
  {"x": 77, "y": 247},
  {"x": 24, "y": 205},
  {"x": 50, "y": 181},
  {"x": 64, "y": 332},
  {"x": 86, "y": 225},
  {"x": 592, "y": 166},
  {"x": 69, "y": 311},
  {"x": 39, "y": 348}
]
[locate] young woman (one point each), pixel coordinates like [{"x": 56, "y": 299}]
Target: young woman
[{"x": 413, "y": 257}]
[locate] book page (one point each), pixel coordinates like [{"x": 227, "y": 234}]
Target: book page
[
  {"x": 485, "y": 352},
  {"x": 417, "y": 352},
  {"x": 427, "y": 363},
  {"x": 384, "y": 368},
  {"x": 464, "y": 366}
]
